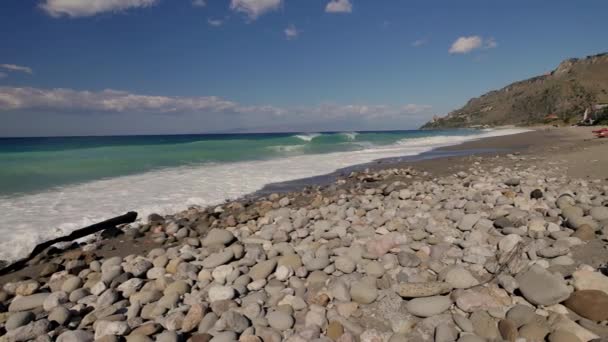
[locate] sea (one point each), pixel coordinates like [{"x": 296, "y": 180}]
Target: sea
[{"x": 50, "y": 186}]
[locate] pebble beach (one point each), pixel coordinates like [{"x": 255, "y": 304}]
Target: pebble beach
[{"x": 509, "y": 245}]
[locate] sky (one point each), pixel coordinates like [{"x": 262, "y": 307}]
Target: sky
[{"x": 113, "y": 67}]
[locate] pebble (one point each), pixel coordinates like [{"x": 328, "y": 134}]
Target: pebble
[
  {"x": 28, "y": 302},
  {"x": 414, "y": 290},
  {"x": 19, "y": 319},
  {"x": 280, "y": 320},
  {"x": 217, "y": 293},
  {"x": 75, "y": 336},
  {"x": 262, "y": 269},
  {"x": 591, "y": 304},
  {"x": 541, "y": 287},
  {"x": 363, "y": 293},
  {"x": 428, "y": 306},
  {"x": 345, "y": 265},
  {"x": 217, "y": 237}
]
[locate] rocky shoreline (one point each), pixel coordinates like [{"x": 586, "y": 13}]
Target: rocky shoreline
[{"x": 499, "y": 249}]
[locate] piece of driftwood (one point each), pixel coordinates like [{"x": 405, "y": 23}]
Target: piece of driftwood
[{"x": 77, "y": 234}]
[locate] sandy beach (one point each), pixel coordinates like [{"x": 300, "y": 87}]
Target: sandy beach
[{"x": 503, "y": 238}]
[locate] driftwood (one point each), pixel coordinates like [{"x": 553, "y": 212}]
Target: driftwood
[{"x": 77, "y": 234}]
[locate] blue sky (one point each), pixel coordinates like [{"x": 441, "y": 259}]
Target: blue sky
[{"x": 76, "y": 67}]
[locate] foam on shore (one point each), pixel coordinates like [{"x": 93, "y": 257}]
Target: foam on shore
[{"x": 33, "y": 218}]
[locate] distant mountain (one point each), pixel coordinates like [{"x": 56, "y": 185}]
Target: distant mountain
[{"x": 563, "y": 95}]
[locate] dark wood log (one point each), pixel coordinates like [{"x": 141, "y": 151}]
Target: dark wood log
[{"x": 77, "y": 234}]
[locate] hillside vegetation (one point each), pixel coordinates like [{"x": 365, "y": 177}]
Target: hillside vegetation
[{"x": 566, "y": 92}]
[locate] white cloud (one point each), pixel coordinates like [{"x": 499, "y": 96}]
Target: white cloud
[
  {"x": 291, "y": 32},
  {"x": 490, "y": 43},
  {"x": 339, "y": 6},
  {"x": 465, "y": 45},
  {"x": 215, "y": 22},
  {"x": 87, "y": 8},
  {"x": 255, "y": 8},
  {"x": 419, "y": 42},
  {"x": 199, "y": 3},
  {"x": 13, "y": 67},
  {"x": 114, "y": 101},
  {"x": 3, "y": 74}
]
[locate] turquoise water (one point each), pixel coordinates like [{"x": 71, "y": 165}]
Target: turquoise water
[
  {"x": 35, "y": 164},
  {"x": 52, "y": 186}
]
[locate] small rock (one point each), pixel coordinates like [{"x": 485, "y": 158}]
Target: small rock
[
  {"x": 363, "y": 293},
  {"x": 262, "y": 269},
  {"x": 217, "y": 293},
  {"x": 414, "y": 290},
  {"x": 280, "y": 320},
  {"x": 218, "y": 237},
  {"x": 541, "y": 287},
  {"x": 19, "y": 319},
  {"x": 562, "y": 336},
  {"x": 75, "y": 336},
  {"x": 27, "y": 302},
  {"x": 591, "y": 304},
  {"x": 428, "y": 306}
]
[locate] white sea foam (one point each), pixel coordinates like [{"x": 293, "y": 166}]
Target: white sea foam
[
  {"x": 31, "y": 219},
  {"x": 287, "y": 148},
  {"x": 307, "y": 136},
  {"x": 350, "y": 135}
]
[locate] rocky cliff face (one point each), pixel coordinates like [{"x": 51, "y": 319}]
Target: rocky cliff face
[{"x": 573, "y": 86}]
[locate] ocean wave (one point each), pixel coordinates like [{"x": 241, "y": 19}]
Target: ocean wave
[
  {"x": 350, "y": 135},
  {"x": 308, "y": 136},
  {"x": 30, "y": 219},
  {"x": 287, "y": 148}
]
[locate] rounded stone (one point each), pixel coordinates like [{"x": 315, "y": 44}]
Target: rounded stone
[
  {"x": 591, "y": 304},
  {"x": 345, "y": 265},
  {"x": 19, "y": 319},
  {"x": 363, "y": 293},
  {"x": 280, "y": 320},
  {"x": 428, "y": 306}
]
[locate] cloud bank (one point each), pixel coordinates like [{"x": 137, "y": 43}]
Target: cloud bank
[
  {"x": 255, "y": 8},
  {"x": 116, "y": 101},
  {"x": 339, "y": 6},
  {"x": 87, "y": 8},
  {"x": 13, "y": 67}
]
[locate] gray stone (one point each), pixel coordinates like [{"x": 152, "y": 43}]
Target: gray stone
[
  {"x": 407, "y": 259},
  {"x": 27, "y": 302},
  {"x": 460, "y": 278},
  {"x": 280, "y": 320},
  {"x": 138, "y": 267},
  {"x": 234, "y": 321},
  {"x": 217, "y": 259},
  {"x": 75, "y": 336},
  {"x": 218, "y": 237},
  {"x": 468, "y": 221},
  {"x": 19, "y": 319},
  {"x": 263, "y": 269},
  {"x": 104, "y": 328},
  {"x": 363, "y": 292},
  {"x": 599, "y": 213},
  {"x": 446, "y": 333},
  {"x": 54, "y": 299},
  {"x": 345, "y": 265},
  {"x": 29, "y": 331},
  {"x": 60, "y": 315},
  {"x": 428, "y": 306},
  {"x": 217, "y": 292},
  {"x": 415, "y": 290},
  {"x": 541, "y": 287},
  {"x": 71, "y": 284}
]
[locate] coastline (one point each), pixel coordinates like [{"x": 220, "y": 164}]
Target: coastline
[{"x": 556, "y": 160}]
